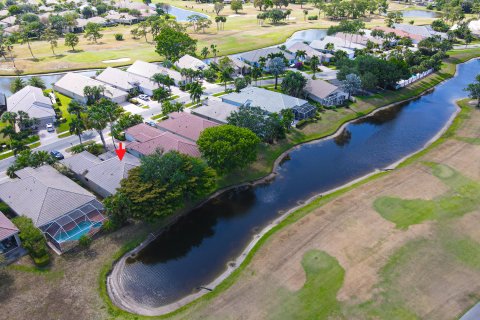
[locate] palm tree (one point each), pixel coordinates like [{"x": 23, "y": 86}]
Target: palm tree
[
  {"x": 256, "y": 73},
  {"x": 97, "y": 120},
  {"x": 262, "y": 61},
  {"x": 213, "y": 47},
  {"x": 300, "y": 54},
  {"x": 18, "y": 146},
  {"x": 276, "y": 66},
  {"x": 24, "y": 37},
  {"x": 74, "y": 107},
  {"x": 163, "y": 79},
  {"x": 77, "y": 127},
  {"x": 9, "y": 132},
  {"x": 196, "y": 91},
  {"x": 37, "y": 82},
  {"x": 225, "y": 75},
  {"x": 112, "y": 113},
  {"x": 10, "y": 117},
  {"x": 314, "y": 62},
  {"x": 205, "y": 52},
  {"x": 17, "y": 84}
]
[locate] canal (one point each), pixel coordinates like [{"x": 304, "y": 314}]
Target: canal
[{"x": 197, "y": 248}]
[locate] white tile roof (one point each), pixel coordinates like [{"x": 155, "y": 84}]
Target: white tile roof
[
  {"x": 7, "y": 228},
  {"x": 75, "y": 83},
  {"x": 189, "y": 62},
  {"x": 339, "y": 43},
  {"x": 268, "y": 100},
  {"x": 215, "y": 110},
  {"x": 125, "y": 80},
  {"x": 32, "y": 101},
  {"x": 43, "y": 194},
  {"x": 106, "y": 174},
  {"x": 147, "y": 70},
  {"x": 320, "y": 88}
]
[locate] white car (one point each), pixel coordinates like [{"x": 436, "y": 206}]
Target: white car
[
  {"x": 144, "y": 97},
  {"x": 50, "y": 127}
]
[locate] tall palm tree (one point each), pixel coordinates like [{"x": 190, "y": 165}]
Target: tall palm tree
[
  {"x": 300, "y": 54},
  {"x": 112, "y": 113},
  {"x": 256, "y": 73},
  {"x": 196, "y": 91},
  {"x": 37, "y": 82},
  {"x": 17, "y": 84},
  {"x": 97, "y": 120},
  {"x": 9, "y": 132},
  {"x": 276, "y": 66},
  {"x": 213, "y": 47},
  {"x": 10, "y": 117},
  {"x": 74, "y": 107},
  {"x": 77, "y": 127},
  {"x": 314, "y": 62},
  {"x": 205, "y": 52},
  {"x": 225, "y": 75}
]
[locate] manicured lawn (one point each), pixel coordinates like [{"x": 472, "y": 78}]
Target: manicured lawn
[{"x": 64, "y": 102}]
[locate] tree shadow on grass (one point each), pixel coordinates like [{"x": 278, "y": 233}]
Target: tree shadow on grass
[{"x": 6, "y": 281}]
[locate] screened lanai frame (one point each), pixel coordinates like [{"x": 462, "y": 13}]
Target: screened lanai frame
[
  {"x": 304, "y": 111},
  {"x": 59, "y": 231}
]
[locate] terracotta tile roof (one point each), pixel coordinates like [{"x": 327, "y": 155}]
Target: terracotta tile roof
[
  {"x": 7, "y": 228},
  {"x": 400, "y": 33},
  {"x": 167, "y": 141},
  {"x": 186, "y": 125},
  {"x": 143, "y": 132}
]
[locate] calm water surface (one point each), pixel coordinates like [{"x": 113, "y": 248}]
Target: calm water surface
[
  {"x": 198, "y": 247},
  {"x": 420, "y": 14}
]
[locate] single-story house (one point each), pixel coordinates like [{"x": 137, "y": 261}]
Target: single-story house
[
  {"x": 189, "y": 62},
  {"x": 309, "y": 52},
  {"x": 72, "y": 85},
  {"x": 473, "y": 25},
  {"x": 253, "y": 57},
  {"x": 186, "y": 125},
  {"x": 32, "y": 101},
  {"x": 145, "y": 140},
  {"x": 131, "y": 5},
  {"x": 141, "y": 132},
  {"x": 102, "y": 177},
  {"x": 81, "y": 23},
  {"x": 121, "y": 17},
  {"x": 359, "y": 39},
  {"x": 8, "y": 21},
  {"x": 270, "y": 101},
  {"x": 423, "y": 31},
  {"x": 338, "y": 44},
  {"x": 215, "y": 110},
  {"x": 11, "y": 30},
  {"x": 400, "y": 33},
  {"x": 59, "y": 207},
  {"x": 147, "y": 70},
  {"x": 4, "y": 13},
  {"x": 9, "y": 240},
  {"x": 126, "y": 81},
  {"x": 325, "y": 93}
]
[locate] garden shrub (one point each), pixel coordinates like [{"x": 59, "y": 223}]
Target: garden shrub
[
  {"x": 312, "y": 18},
  {"x": 32, "y": 240},
  {"x": 118, "y": 36}
]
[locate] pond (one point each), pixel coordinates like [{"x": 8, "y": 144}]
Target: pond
[
  {"x": 420, "y": 14},
  {"x": 306, "y": 36},
  {"x": 49, "y": 80},
  {"x": 183, "y": 14},
  {"x": 197, "y": 248}
]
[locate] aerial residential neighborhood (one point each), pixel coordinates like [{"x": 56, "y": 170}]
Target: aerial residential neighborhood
[{"x": 235, "y": 159}]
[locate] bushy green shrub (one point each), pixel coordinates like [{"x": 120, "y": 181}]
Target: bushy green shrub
[
  {"x": 33, "y": 240},
  {"x": 85, "y": 241},
  {"x": 312, "y": 17},
  {"x": 118, "y": 36}
]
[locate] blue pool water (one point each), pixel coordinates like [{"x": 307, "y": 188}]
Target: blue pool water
[{"x": 77, "y": 232}]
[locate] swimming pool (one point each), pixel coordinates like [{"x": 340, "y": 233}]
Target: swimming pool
[{"x": 78, "y": 231}]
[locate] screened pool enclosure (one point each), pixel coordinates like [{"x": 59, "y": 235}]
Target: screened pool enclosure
[{"x": 65, "y": 231}]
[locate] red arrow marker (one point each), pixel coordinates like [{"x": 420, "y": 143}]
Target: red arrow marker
[{"x": 120, "y": 151}]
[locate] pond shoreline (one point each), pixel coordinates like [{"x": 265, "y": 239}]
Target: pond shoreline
[{"x": 114, "y": 280}]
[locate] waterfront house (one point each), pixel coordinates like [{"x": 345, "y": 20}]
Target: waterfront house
[
  {"x": 325, "y": 93},
  {"x": 32, "y": 101},
  {"x": 121, "y": 18},
  {"x": 189, "y": 62},
  {"x": 186, "y": 125},
  {"x": 73, "y": 85},
  {"x": 253, "y": 57},
  {"x": 147, "y": 70},
  {"x": 215, "y": 109},
  {"x": 101, "y": 176},
  {"x": 127, "y": 81},
  {"x": 338, "y": 44},
  {"x": 400, "y": 33},
  {"x": 59, "y": 207},
  {"x": 270, "y": 101},
  {"x": 146, "y": 140},
  {"x": 425, "y": 31},
  {"x": 309, "y": 52},
  {"x": 9, "y": 240}
]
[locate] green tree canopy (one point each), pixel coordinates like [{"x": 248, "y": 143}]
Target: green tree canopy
[
  {"x": 173, "y": 43},
  {"x": 228, "y": 147}
]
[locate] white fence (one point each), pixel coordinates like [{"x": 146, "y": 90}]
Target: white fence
[{"x": 412, "y": 79}]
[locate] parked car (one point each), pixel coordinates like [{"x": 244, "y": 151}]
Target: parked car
[
  {"x": 144, "y": 97},
  {"x": 50, "y": 127},
  {"x": 151, "y": 123},
  {"x": 57, "y": 154}
]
